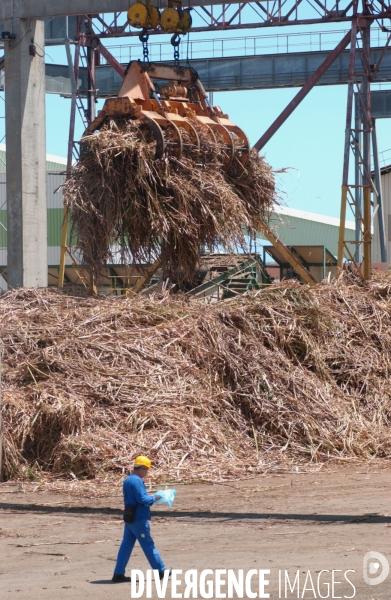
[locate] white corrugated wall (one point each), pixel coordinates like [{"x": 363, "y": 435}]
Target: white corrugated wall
[
  {"x": 3, "y": 195},
  {"x": 54, "y": 181},
  {"x": 386, "y": 200}
]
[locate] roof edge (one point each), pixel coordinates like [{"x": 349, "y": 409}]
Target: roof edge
[
  {"x": 60, "y": 160},
  {"x": 310, "y": 216}
]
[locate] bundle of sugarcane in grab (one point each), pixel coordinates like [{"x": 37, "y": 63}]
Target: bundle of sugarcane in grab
[{"x": 163, "y": 174}]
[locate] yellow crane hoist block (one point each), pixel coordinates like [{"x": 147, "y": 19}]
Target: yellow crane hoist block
[
  {"x": 169, "y": 20},
  {"x": 154, "y": 17},
  {"x": 185, "y": 21},
  {"x": 138, "y": 15},
  {"x": 143, "y": 17},
  {"x": 175, "y": 20}
]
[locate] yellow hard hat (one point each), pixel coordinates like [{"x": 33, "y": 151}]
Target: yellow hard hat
[{"x": 142, "y": 461}]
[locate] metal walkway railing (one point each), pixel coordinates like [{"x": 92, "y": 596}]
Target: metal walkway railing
[{"x": 225, "y": 47}]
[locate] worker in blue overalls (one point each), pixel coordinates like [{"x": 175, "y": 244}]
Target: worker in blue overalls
[{"x": 137, "y": 515}]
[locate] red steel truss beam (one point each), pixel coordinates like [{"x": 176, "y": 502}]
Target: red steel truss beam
[
  {"x": 240, "y": 26},
  {"x": 293, "y": 104},
  {"x": 110, "y": 58},
  {"x": 270, "y": 13}
]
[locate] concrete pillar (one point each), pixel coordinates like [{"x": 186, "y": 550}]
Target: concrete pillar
[{"x": 26, "y": 154}]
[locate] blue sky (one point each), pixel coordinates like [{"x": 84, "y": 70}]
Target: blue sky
[{"x": 309, "y": 144}]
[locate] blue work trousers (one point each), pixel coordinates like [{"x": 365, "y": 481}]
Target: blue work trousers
[{"x": 140, "y": 531}]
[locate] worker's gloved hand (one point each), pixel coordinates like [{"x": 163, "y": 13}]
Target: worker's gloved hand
[{"x": 166, "y": 496}]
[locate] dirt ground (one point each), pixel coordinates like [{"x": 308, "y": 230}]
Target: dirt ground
[{"x": 62, "y": 547}]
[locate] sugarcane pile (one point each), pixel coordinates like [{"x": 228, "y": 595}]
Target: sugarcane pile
[
  {"x": 123, "y": 200},
  {"x": 275, "y": 378}
]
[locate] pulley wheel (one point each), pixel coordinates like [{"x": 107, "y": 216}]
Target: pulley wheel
[
  {"x": 154, "y": 17},
  {"x": 138, "y": 16},
  {"x": 169, "y": 20},
  {"x": 185, "y": 21}
]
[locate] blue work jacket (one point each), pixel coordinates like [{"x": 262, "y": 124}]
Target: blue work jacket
[{"x": 135, "y": 492}]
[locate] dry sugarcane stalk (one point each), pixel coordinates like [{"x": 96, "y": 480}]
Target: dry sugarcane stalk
[
  {"x": 263, "y": 381},
  {"x": 121, "y": 198}
]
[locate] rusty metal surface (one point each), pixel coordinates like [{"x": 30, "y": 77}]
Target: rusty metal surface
[
  {"x": 272, "y": 12},
  {"x": 209, "y": 15}
]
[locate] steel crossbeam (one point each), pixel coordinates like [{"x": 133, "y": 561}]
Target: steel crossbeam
[
  {"x": 273, "y": 10},
  {"x": 208, "y": 15}
]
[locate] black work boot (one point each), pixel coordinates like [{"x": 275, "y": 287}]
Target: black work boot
[
  {"x": 161, "y": 573},
  {"x": 120, "y": 578}
]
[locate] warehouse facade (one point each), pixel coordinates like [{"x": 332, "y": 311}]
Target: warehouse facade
[
  {"x": 55, "y": 177},
  {"x": 299, "y": 227},
  {"x": 386, "y": 203}
]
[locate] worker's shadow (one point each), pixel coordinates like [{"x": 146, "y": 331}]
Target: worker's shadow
[{"x": 103, "y": 581}]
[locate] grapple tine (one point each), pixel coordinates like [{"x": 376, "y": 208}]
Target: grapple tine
[
  {"x": 211, "y": 133},
  {"x": 178, "y": 143},
  {"x": 223, "y": 131},
  {"x": 158, "y": 135},
  {"x": 244, "y": 150},
  {"x": 207, "y": 129},
  {"x": 194, "y": 135}
]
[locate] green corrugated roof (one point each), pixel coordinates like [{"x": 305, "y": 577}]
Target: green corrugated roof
[{"x": 294, "y": 230}]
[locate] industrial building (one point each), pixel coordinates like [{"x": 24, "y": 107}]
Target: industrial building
[
  {"x": 386, "y": 196},
  {"x": 55, "y": 167}
]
